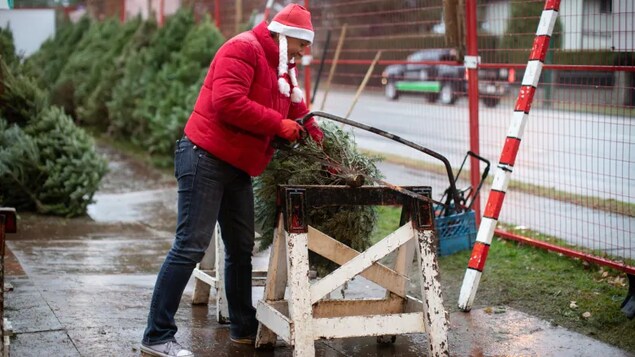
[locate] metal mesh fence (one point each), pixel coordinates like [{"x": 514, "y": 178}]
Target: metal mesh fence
[
  {"x": 575, "y": 171},
  {"x": 574, "y": 174},
  {"x": 575, "y": 161}
]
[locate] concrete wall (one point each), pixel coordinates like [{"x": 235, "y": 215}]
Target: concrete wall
[{"x": 30, "y": 27}]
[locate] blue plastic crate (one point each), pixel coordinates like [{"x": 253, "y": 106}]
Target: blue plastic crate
[{"x": 456, "y": 232}]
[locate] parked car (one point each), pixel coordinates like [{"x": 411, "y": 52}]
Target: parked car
[{"x": 443, "y": 82}]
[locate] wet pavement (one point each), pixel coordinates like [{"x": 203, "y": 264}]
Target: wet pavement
[{"x": 82, "y": 287}]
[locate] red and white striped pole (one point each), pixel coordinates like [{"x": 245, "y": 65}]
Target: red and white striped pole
[{"x": 508, "y": 156}]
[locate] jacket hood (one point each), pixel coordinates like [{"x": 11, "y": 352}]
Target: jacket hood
[{"x": 268, "y": 44}]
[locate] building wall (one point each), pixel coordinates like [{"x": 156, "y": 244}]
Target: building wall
[
  {"x": 572, "y": 22},
  {"x": 496, "y": 17},
  {"x": 584, "y": 26},
  {"x": 624, "y": 22},
  {"x": 103, "y": 9},
  {"x": 587, "y": 28},
  {"x": 147, "y": 7},
  {"x": 597, "y": 28}
]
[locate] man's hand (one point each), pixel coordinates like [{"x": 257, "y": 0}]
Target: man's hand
[
  {"x": 314, "y": 130},
  {"x": 289, "y": 130}
]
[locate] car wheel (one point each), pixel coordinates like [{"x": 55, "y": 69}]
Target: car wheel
[
  {"x": 391, "y": 90},
  {"x": 432, "y": 97},
  {"x": 491, "y": 102},
  {"x": 446, "y": 94}
]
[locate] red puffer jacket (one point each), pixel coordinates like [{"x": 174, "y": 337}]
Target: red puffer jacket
[{"x": 239, "y": 107}]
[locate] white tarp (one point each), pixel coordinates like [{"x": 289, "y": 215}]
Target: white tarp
[{"x": 30, "y": 27}]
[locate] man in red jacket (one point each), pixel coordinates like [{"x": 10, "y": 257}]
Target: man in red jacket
[{"x": 250, "y": 95}]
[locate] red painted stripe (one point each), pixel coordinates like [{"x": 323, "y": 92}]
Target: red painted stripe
[
  {"x": 479, "y": 256},
  {"x": 539, "y": 49},
  {"x": 510, "y": 150},
  {"x": 569, "y": 252},
  {"x": 494, "y": 204},
  {"x": 525, "y": 97},
  {"x": 560, "y": 67},
  {"x": 552, "y": 5}
]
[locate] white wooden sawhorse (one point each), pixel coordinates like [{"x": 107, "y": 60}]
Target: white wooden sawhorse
[
  {"x": 307, "y": 315},
  {"x": 210, "y": 272}
]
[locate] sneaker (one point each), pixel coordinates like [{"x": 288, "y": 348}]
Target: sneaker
[
  {"x": 247, "y": 340},
  {"x": 168, "y": 349}
]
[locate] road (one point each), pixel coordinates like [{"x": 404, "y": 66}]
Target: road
[
  {"x": 580, "y": 153},
  {"x": 576, "y": 153}
]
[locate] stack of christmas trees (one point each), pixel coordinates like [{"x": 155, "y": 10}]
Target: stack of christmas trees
[
  {"x": 138, "y": 82},
  {"x": 47, "y": 163}
]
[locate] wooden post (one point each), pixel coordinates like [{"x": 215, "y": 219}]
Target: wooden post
[
  {"x": 222, "y": 308},
  {"x": 161, "y": 13},
  {"x": 300, "y": 309},
  {"x": 2, "y": 224},
  {"x": 8, "y": 224},
  {"x": 334, "y": 64},
  {"x": 217, "y": 13},
  {"x": 276, "y": 281},
  {"x": 122, "y": 11},
  {"x": 210, "y": 272},
  {"x": 363, "y": 84},
  {"x": 239, "y": 15},
  {"x": 207, "y": 265},
  {"x": 268, "y": 6},
  {"x": 436, "y": 318}
]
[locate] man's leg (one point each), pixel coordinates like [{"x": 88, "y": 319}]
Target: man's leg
[
  {"x": 236, "y": 219},
  {"x": 200, "y": 194}
]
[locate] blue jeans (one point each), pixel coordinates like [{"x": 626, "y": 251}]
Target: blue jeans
[{"x": 208, "y": 190}]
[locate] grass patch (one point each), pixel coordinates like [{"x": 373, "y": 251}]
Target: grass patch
[
  {"x": 387, "y": 222},
  {"x": 611, "y": 110},
  {"x": 606, "y": 205},
  {"x": 540, "y": 283},
  {"x": 562, "y": 243}
]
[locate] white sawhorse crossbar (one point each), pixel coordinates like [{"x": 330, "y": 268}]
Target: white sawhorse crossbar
[
  {"x": 210, "y": 272},
  {"x": 307, "y": 315}
]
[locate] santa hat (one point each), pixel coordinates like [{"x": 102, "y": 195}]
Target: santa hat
[{"x": 294, "y": 21}]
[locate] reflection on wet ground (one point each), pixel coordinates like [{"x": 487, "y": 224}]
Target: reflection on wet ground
[{"x": 86, "y": 285}]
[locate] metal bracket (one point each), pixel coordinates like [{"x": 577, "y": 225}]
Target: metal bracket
[
  {"x": 295, "y": 210},
  {"x": 472, "y": 62}
]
